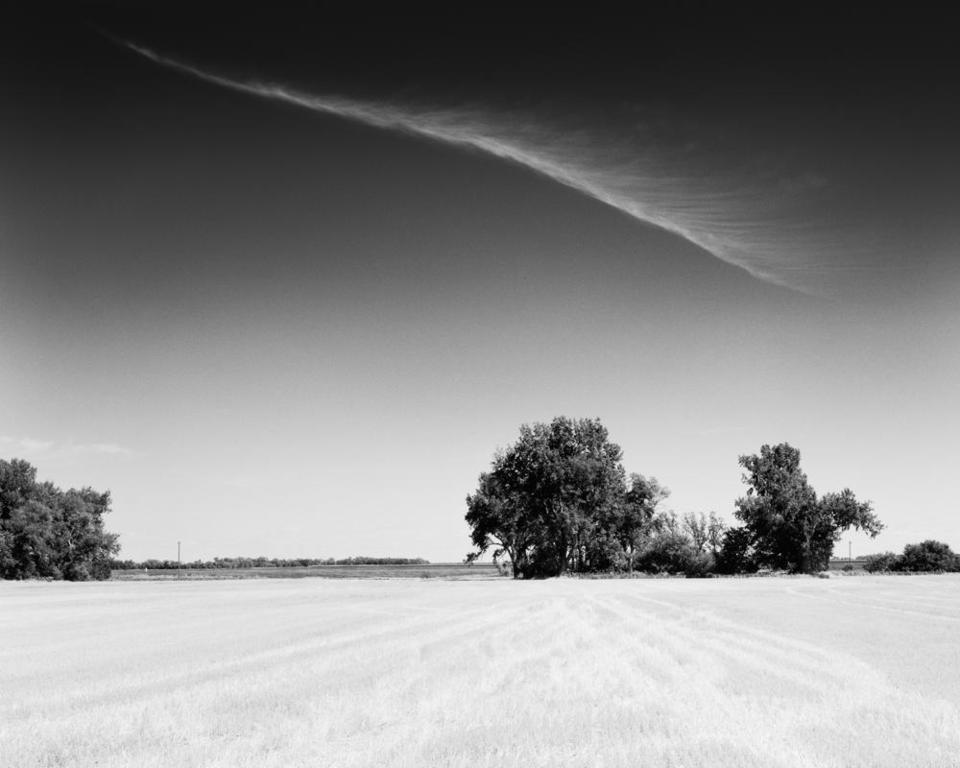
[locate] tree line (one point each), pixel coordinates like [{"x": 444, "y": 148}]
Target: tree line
[
  {"x": 46, "y": 532},
  {"x": 559, "y": 500}
]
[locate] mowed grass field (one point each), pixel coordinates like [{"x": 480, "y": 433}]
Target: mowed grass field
[{"x": 856, "y": 671}]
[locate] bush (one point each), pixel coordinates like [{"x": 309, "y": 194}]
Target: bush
[
  {"x": 880, "y": 563},
  {"x": 700, "y": 566},
  {"x": 928, "y": 556},
  {"x": 736, "y": 554},
  {"x": 671, "y": 552}
]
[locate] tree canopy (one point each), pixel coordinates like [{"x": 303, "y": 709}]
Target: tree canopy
[
  {"x": 788, "y": 526},
  {"x": 558, "y": 499},
  {"x": 46, "y": 532}
]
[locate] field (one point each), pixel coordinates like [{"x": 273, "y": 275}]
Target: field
[
  {"x": 421, "y": 571},
  {"x": 854, "y": 671}
]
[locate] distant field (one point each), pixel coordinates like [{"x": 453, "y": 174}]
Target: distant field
[
  {"x": 429, "y": 571},
  {"x": 772, "y": 673}
]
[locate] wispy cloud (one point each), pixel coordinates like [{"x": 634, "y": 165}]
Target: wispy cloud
[
  {"x": 31, "y": 448},
  {"x": 29, "y": 445},
  {"x": 752, "y": 225},
  {"x": 107, "y": 449}
]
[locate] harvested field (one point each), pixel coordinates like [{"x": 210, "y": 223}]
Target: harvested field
[{"x": 791, "y": 672}]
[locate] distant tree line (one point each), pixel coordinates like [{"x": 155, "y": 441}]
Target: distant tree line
[
  {"x": 49, "y": 533},
  {"x": 559, "y": 500},
  {"x": 262, "y": 562},
  {"x": 926, "y": 557}
]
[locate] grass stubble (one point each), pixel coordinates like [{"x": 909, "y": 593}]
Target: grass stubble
[{"x": 761, "y": 672}]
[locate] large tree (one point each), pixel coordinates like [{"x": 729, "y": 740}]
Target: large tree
[
  {"x": 788, "y": 525},
  {"x": 550, "y": 501},
  {"x": 49, "y": 533}
]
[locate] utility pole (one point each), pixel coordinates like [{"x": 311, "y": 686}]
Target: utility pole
[
  {"x": 850, "y": 550},
  {"x": 178, "y": 561}
]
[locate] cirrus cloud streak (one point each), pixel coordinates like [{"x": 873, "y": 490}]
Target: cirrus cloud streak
[{"x": 756, "y": 224}]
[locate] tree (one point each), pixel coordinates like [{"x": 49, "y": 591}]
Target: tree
[
  {"x": 789, "y": 527},
  {"x": 633, "y": 520},
  {"x": 697, "y": 527},
  {"x": 551, "y": 501},
  {"x": 716, "y": 529},
  {"x": 496, "y": 516},
  {"x": 49, "y": 533}
]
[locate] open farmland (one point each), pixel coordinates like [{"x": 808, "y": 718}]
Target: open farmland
[
  {"x": 860, "y": 671},
  {"x": 353, "y": 571}
]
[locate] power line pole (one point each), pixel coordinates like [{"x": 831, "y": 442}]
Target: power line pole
[
  {"x": 850, "y": 550},
  {"x": 178, "y": 561}
]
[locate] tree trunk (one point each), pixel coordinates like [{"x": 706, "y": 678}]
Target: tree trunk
[{"x": 806, "y": 558}]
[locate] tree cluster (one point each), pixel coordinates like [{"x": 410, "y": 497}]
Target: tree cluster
[
  {"x": 558, "y": 500},
  {"x": 926, "y": 557},
  {"x": 46, "y": 532}
]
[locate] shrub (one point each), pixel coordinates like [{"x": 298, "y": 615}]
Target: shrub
[
  {"x": 885, "y": 561},
  {"x": 928, "y": 555},
  {"x": 672, "y": 552},
  {"x": 700, "y": 566},
  {"x": 736, "y": 554}
]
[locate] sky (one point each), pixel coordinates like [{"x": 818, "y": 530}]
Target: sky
[{"x": 284, "y": 282}]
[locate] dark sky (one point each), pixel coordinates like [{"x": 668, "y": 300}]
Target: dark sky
[{"x": 711, "y": 230}]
